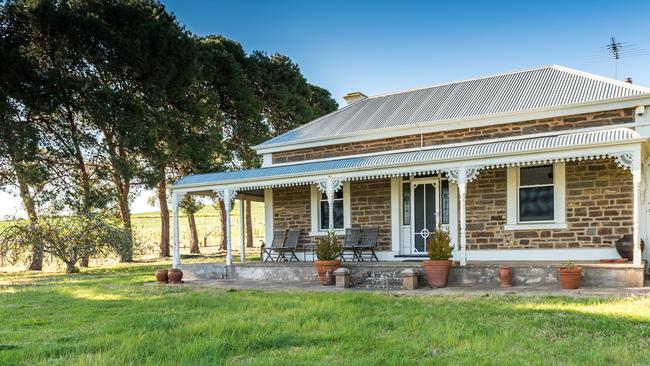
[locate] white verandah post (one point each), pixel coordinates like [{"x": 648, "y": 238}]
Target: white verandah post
[
  {"x": 227, "y": 195},
  {"x": 637, "y": 206},
  {"x": 461, "y": 176},
  {"x": 462, "y": 190},
  {"x": 176, "y": 256},
  {"x": 242, "y": 232}
]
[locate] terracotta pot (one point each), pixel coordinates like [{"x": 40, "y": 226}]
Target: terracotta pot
[
  {"x": 161, "y": 275},
  {"x": 437, "y": 272},
  {"x": 570, "y": 277},
  {"x": 505, "y": 276},
  {"x": 625, "y": 246},
  {"x": 323, "y": 266},
  {"x": 175, "y": 275}
]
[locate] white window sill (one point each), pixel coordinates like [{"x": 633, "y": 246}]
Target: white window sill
[
  {"x": 534, "y": 226},
  {"x": 324, "y": 233}
]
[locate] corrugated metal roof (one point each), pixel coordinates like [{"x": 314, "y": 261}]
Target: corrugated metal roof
[
  {"x": 413, "y": 157},
  {"x": 545, "y": 87}
]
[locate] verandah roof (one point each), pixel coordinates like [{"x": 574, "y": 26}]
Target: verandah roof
[{"x": 408, "y": 162}]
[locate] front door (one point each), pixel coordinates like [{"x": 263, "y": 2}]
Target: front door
[{"x": 424, "y": 216}]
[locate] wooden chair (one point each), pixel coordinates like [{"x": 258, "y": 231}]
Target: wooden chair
[
  {"x": 276, "y": 246},
  {"x": 368, "y": 243},
  {"x": 350, "y": 243},
  {"x": 290, "y": 246}
]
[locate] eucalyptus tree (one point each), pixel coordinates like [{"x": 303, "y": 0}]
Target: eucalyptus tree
[{"x": 22, "y": 169}]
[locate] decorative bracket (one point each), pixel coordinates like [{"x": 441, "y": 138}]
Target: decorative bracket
[
  {"x": 227, "y": 195},
  {"x": 463, "y": 174},
  {"x": 329, "y": 186},
  {"x": 623, "y": 160}
]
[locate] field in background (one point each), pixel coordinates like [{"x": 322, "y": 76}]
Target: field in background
[{"x": 146, "y": 229}]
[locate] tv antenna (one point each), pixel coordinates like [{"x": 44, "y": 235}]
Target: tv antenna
[{"x": 614, "y": 49}]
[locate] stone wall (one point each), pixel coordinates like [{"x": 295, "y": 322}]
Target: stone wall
[
  {"x": 460, "y": 135},
  {"x": 598, "y": 210},
  {"x": 370, "y": 206},
  {"x": 292, "y": 209}
]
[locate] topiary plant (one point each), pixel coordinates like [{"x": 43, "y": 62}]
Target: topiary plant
[
  {"x": 328, "y": 248},
  {"x": 438, "y": 246}
]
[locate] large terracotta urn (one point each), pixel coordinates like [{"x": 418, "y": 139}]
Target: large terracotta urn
[{"x": 437, "y": 272}]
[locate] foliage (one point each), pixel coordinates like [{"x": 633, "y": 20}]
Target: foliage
[
  {"x": 66, "y": 238},
  {"x": 439, "y": 245},
  {"x": 102, "y": 98},
  {"x": 569, "y": 265},
  {"x": 328, "y": 247}
]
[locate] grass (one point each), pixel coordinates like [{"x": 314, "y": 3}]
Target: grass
[{"x": 108, "y": 317}]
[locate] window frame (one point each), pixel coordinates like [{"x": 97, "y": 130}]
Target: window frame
[
  {"x": 559, "y": 204},
  {"x": 316, "y": 198},
  {"x": 521, "y": 186}
]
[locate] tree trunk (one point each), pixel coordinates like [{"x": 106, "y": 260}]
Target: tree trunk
[
  {"x": 36, "y": 260},
  {"x": 164, "y": 217},
  {"x": 222, "y": 216},
  {"x": 194, "y": 235},
  {"x": 69, "y": 267},
  {"x": 122, "y": 187},
  {"x": 249, "y": 225}
]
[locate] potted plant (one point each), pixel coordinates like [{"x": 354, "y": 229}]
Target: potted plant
[
  {"x": 570, "y": 275},
  {"x": 328, "y": 252},
  {"x": 438, "y": 266}
]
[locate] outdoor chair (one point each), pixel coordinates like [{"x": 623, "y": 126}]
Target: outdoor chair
[
  {"x": 290, "y": 246},
  {"x": 273, "y": 251},
  {"x": 368, "y": 243},
  {"x": 350, "y": 244}
]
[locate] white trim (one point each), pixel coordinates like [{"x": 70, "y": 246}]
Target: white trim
[
  {"x": 315, "y": 209},
  {"x": 559, "y": 204},
  {"x": 535, "y": 226},
  {"x": 583, "y": 254},
  {"x": 395, "y": 208},
  {"x": 268, "y": 215},
  {"x": 267, "y": 160},
  {"x": 538, "y": 156},
  {"x": 559, "y": 192},
  {"x": 461, "y": 123},
  {"x": 453, "y": 214},
  {"x": 532, "y": 255},
  {"x": 338, "y": 232}
]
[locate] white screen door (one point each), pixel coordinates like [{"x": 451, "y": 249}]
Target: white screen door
[{"x": 424, "y": 215}]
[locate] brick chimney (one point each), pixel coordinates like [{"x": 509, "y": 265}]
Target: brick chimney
[
  {"x": 628, "y": 80},
  {"x": 354, "y": 97}
]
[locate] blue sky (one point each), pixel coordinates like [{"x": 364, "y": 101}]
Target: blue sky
[{"x": 383, "y": 46}]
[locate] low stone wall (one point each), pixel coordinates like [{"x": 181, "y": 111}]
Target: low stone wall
[{"x": 385, "y": 275}]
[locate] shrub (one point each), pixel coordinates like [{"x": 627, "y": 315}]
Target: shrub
[
  {"x": 328, "y": 248},
  {"x": 438, "y": 245},
  {"x": 67, "y": 238}
]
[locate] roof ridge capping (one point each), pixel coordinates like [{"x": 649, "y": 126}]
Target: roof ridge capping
[{"x": 519, "y": 71}]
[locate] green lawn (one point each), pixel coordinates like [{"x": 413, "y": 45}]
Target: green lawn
[{"x": 108, "y": 317}]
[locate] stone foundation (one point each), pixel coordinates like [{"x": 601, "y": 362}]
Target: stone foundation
[{"x": 386, "y": 275}]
